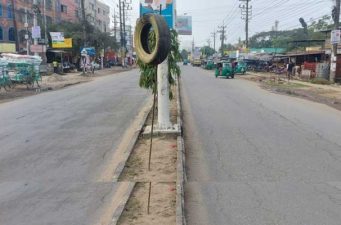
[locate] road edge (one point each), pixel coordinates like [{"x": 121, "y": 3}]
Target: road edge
[
  {"x": 119, "y": 169},
  {"x": 181, "y": 175},
  {"x": 124, "y": 200}
]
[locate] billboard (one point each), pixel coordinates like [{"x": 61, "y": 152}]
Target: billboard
[
  {"x": 7, "y": 48},
  {"x": 184, "y": 25},
  {"x": 67, "y": 43},
  {"x": 57, "y": 37},
  {"x": 153, "y": 6}
]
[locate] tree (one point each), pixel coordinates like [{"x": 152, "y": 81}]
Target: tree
[
  {"x": 207, "y": 50},
  {"x": 184, "y": 54},
  {"x": 95, "y": 38}
]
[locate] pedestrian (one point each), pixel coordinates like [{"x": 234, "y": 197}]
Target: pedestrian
[
  {"x": 290, "y": 68},
  {"x": 55, "y": 66}
]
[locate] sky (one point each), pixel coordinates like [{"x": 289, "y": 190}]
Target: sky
[{"x": 208, "y": 15}]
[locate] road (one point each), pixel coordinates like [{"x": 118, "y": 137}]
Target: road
[
  {"x": 56, "y": 145},
  {"x": 258, "y": 158}
]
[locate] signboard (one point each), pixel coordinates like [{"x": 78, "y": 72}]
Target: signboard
[
  {"x": 335, "y": 36},
  {"x": 7, "y": 48},
  {"x": 67, "y": 43},
  {"x": 153, "y": 6},
  {"x": 57, "y": 37},
  {"x": 36, "y": 33},
  {"x": 38, "y": 48},
  {"x": 184, "y": 25}
]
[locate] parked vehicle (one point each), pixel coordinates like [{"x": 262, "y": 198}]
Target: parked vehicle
[
  {"x": 185, "y": 62},
  {"x": 23, "y": 69},
  {"x": 209, "y": 65},
  {"x": 240, "y": 68},
  {"x": 224, "y": 69}
]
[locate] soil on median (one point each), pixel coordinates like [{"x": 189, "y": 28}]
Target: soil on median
[{"x": 162, "y": 177}]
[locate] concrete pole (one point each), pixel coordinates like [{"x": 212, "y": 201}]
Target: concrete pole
[
  {"x": 334, "y": 50},
  {"x": 163, "y": 96},
  {"x": 35, "y": 23}
]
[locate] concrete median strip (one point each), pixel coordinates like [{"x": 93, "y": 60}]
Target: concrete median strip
[{"x": 166, "y": 178}]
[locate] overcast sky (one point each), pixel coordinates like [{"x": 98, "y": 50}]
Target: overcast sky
[{"x": 207, "y": 15}]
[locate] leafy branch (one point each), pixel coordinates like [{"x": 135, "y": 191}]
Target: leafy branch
[{"x": 148, "y": 72}]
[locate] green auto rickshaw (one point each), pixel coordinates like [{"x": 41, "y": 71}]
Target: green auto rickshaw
[
  {"x": 240, "y": 68},
  {"x": 209, "y": 65},
  {"x": 224, "y": 69}
]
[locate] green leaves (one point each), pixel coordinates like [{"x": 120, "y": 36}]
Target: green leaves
[{"x": 148, "y": 72}]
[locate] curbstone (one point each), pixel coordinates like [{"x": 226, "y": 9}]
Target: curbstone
[{"x": 181, "y": 175}]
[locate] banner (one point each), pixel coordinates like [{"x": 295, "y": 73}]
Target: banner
[
  {"x": 7, "y": 48},
  {"x": 184, "y": 25},
  {"x": 38, "y": 48},
  {"x": 36, "y": 33},
  {"x": 57, "y": 37},
  {"x": 335, "y": 36},
  {"x": 67, "y": 43},
  {"x": 153, "y": 6}
]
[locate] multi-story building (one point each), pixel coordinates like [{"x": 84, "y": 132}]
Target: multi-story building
[
  {"x": 103, "y": 17},
  {"x": 16, "y": 18},
  {"x": 97, "y": 14}
]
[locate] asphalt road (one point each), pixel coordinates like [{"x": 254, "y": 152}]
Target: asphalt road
[
  {"x": 258, "y": 158},
  {"x": 54, "y": 146}
]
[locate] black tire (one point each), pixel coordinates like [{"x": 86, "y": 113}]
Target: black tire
[{"x": 163, "y": 39}]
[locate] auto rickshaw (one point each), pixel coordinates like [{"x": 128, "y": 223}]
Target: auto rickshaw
[
  {"x": 185, "y": 62},
  {"x": 209, "y": 65},
  {"x": 224, "y": 69},
  {"x": 240, "y": 68}
]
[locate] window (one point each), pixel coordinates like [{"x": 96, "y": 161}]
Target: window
[
  {"x": 49, "y": 4},
  {"x": 0, "y": 9},
  {"x": 76, "y": 13},
  {"x": 63, "y": 8},
  {"x": 9, "y": 11},
  {"x": 103, "y": 12},
  {"x": 1, "y": 34},
  {"x": 99, "y": 10},
  {"x": 11, "y": 36}
]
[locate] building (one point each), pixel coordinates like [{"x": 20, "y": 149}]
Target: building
[
  {"x": 16, "y": 19},
  {"x": 103, "y": 18},
  {"x": 97, "y": 14}
]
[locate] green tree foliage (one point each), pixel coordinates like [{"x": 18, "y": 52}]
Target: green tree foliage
[
  {"x": 95, "y": 38},
  {"x": 148, "y": 72},
  {"x": 207, "y": 50},
  {"x": 228, "y": 47},
  {"x": 282, "y": 39},
  {"x": 184, "y": 54}
]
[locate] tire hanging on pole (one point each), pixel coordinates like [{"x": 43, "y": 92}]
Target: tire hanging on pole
[{"x": 146, "y": 24}]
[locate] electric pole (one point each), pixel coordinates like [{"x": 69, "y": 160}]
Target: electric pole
[
  {"x": 222, "y": 37},
  {"x": 336, "y": 18},
  {"x": 209, "y": 42},
  {"x": 214, "y": 34},
  {"x": 83, "y": 23},
  {"x": 246, "y": 15},
  {"x": 36, "y": 11}
]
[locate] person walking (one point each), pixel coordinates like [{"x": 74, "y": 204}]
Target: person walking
[
  {"x": 290, "y": 68},
  {"x": 55, "y": 66}
]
